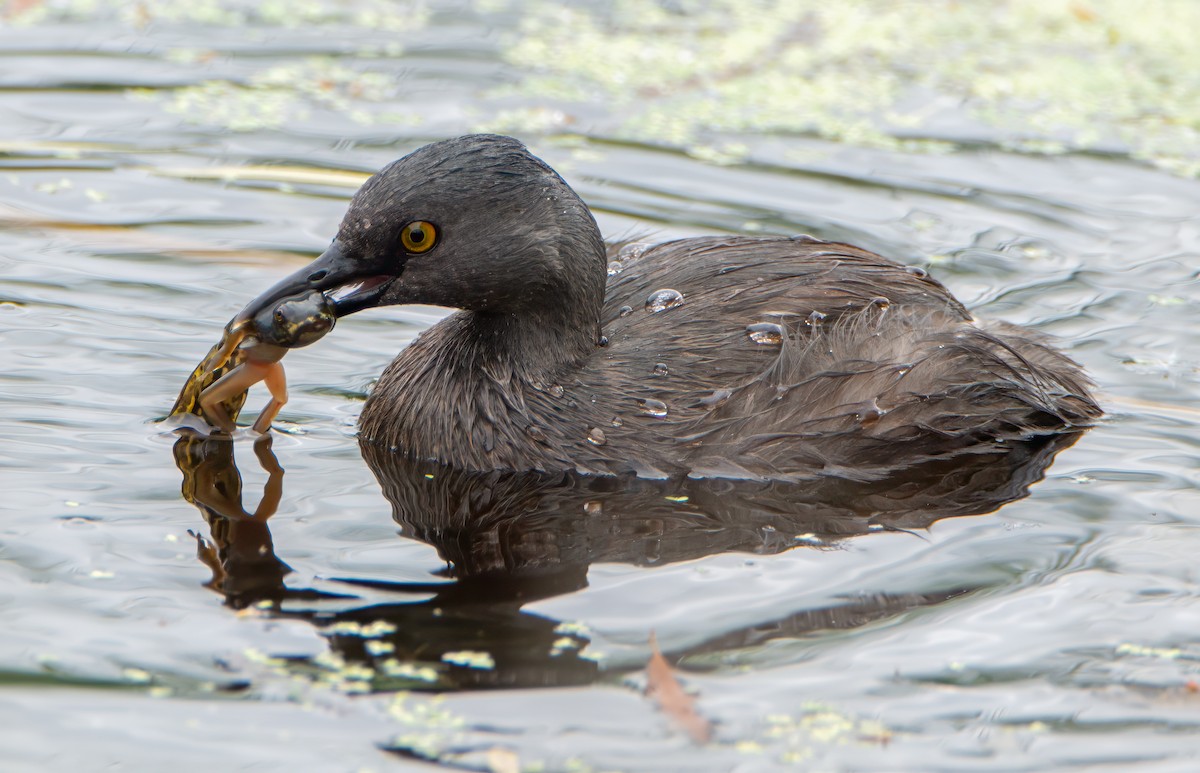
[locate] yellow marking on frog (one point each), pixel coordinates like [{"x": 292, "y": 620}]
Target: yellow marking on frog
[
  {"x": 248, "y": 353},
  {"x": 222, "y": 358}
]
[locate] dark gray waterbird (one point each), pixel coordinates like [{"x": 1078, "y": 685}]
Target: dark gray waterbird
[{"x": 750, "y": 357}]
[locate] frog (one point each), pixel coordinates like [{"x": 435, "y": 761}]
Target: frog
[{"x": 250, "y": 351}]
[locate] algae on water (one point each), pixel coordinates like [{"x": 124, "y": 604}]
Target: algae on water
[
  {"x": 1036, "y": 76},
  {"x": 705, "y": 76}
]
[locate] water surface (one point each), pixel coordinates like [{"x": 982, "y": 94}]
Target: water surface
[{"x": 139, "y": 216}]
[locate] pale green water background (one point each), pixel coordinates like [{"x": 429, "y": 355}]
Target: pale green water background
[{"x": 160, "y": 163}]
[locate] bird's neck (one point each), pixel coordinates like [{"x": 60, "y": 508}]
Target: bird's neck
[
  {"x": 556, "y": 323},
  {"x": 531, "y": 347},
  {"x": 467, "y": 390}
]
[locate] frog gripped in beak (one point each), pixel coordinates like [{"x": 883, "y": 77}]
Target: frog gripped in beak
[
  {"x": 351, "y": 285},
  {"x": 477, "y": 225}
]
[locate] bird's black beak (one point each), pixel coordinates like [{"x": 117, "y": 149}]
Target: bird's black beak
[{"x": 350, "y": 285}]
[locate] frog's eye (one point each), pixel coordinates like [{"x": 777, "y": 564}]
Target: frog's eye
[
  {"x": 279, "y": 318},
  {"x": 419, "y": 236}
]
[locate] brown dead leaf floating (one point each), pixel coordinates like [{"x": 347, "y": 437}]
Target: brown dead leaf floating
[{"x": 675, "y": 702}]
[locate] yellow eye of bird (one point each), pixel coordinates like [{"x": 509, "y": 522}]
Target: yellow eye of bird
[{"x": 419, "y": 236}]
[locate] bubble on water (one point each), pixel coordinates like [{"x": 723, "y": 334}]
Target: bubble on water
[
  {"x": 660, "y": 369},
  {"x": 661, "y": 300},
  {"x": 917, "y": 271},
  {"x": 652, "y": 407},
  {"x": 555, "y": 390},
  {"x": 625, "y": 311},
  {"x": 593, "y": 507},
  {"x": 765, "y": 333},
  {"x": 881, "y": 302},
  {"x": 602, "y": 341},
  {"x": 614, "y": 267},
  {"x": 616, "y": 421},
  {"x": 816, "y": 318},
  {"x": 596, "y": 436}
]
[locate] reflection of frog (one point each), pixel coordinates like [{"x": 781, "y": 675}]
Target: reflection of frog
[
  {"x": 240, "y": 552},
  {"x": 249, "y": 352}
]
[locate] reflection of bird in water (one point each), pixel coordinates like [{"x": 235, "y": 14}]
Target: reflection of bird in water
[
  {"x": 524, "y": 523},
  {"x": 510, "y": 539},
  {"x": 739, "y": 357}
]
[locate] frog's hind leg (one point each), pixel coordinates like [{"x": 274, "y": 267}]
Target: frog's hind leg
[
  {"x": 230, "y": 385},
  {"x": 276, "y": 382}
]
